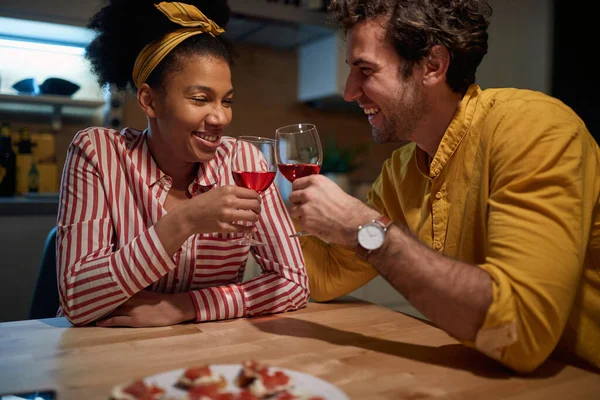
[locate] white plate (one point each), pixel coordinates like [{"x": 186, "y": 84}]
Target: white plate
[{"x": 303, "y": 383}]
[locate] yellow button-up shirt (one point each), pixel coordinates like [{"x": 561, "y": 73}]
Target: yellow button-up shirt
[{"x": 513, "y": 188}]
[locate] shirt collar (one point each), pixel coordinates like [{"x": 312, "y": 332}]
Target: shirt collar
[
  {"x": 208, "y": 173},
  {"x": 456, "y": 131},
  {"x": 146, "y": 165}
]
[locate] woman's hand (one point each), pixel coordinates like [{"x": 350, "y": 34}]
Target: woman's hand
[
  {"x": 226, "y": 209},
  {"x": 223, "y": 209},
  {"x": 146, "y": 309}
]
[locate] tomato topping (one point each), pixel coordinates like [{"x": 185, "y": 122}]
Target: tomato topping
[
  {"x": 136, "y": 389},
  {"x": 254, "y": 366},
  {"x": 277, "y": 379},
  {"x": 194, "y": 373},
  {"x": 210, "y": 389},
  {"x": 246, "y": 395},
  {"x": 141, "y": 391}
]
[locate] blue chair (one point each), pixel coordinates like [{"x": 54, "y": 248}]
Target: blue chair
[{"x": 45, "y": 296}]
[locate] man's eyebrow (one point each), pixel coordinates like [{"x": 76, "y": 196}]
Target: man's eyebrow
[
  {"x": 358, "y": 61},
  {"x": 206, "y": 89}
]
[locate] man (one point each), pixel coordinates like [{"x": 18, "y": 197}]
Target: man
[{"x": 496, "y": 227}]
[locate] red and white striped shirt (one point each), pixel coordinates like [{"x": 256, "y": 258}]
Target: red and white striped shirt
[{"x": 112, "y": 194}]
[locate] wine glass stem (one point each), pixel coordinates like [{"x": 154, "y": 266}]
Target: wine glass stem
[{"x": 301, "y": 233}]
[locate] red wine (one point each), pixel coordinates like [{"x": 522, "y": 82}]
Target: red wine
[
  {"x": 295, "y": 171},
  {"x": 255, "y": 180}
]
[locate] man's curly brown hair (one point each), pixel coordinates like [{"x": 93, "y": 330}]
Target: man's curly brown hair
[{"x": 415, "y": 26}]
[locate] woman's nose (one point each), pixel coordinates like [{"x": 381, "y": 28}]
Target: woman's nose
[{"x": 218, "y": 116}]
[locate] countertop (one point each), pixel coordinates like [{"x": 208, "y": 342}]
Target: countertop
[
  {"x": 31, "y": 204},
  {"x": 367, "y": 351}
]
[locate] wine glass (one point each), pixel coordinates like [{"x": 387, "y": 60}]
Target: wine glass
[
  {"x": 253, "y": 166},
  {"x": 299, "y": 153}
]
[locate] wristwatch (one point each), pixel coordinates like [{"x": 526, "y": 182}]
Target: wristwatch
[{"x": 371, "y": 236}]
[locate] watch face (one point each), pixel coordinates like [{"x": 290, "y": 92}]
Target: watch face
[{"x": 371, "y": 236}]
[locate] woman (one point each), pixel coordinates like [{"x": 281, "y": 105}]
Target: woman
[{"x": 145, "y": 215}]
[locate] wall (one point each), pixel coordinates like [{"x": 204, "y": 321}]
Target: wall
[
  {"x": 575, "y": 80},
  {"x": 520, "y": 45}
]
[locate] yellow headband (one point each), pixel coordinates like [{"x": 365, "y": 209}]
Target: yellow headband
[{"x": 182, "y": 14}]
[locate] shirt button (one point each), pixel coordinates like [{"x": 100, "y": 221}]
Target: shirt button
[
  {"x": 176, "y": 280},
  {"x": 437, "y": 245},
  {"x": 439, "y": 195}
]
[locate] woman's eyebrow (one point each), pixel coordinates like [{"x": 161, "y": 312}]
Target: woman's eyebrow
[{"x": 207, "y": 89}]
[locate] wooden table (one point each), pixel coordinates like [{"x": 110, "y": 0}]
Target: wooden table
[{"x": 368, "y": 351}]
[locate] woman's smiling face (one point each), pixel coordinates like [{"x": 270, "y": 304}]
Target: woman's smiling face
[{"x": 194, "y": 107}]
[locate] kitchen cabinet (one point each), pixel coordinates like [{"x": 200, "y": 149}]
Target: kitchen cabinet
[{"x": 253, "y": 21}]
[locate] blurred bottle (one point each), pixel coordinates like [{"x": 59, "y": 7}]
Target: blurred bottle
[
  {"x": 8, "y": 163},
  {"x": 24, "y": 161},
  {"x": 33, "y": 179},
  {"x": 44, "y": 154}
]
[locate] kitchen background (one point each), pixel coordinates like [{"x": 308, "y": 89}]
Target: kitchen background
[{"x": 290, "y": 69}]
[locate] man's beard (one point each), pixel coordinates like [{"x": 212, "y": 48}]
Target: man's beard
[{"x": 400, "y": 126}]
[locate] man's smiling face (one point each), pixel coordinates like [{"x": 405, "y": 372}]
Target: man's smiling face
[{"x": 394, "y": 103}]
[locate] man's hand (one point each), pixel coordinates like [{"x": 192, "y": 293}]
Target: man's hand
[
  {"x": 325, "y": 210},
  {"x": 147, "y": 309}
]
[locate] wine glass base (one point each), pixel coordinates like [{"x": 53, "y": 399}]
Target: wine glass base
[
  {"x": 246, "y": 242},
  {"x": 301, "y": 233}
]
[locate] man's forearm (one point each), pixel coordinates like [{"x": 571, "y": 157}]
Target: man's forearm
[{"x": 453, "y": 294}]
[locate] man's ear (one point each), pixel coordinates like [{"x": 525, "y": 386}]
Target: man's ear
[
  {"x": 435, "y": 65},
  {"x": 146, "y": 100}
]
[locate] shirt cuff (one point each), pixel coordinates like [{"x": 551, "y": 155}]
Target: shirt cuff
[
  {"x": 499, "y": 328},
  {"x": 219, "y": 303}
]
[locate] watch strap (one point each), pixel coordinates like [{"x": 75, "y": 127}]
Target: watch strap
[{"x": 384, "y": 221}]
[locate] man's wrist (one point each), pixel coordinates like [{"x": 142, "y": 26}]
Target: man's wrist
[
  {"x": 364, "y": 216},
  {"x": 372, "y": 236}
]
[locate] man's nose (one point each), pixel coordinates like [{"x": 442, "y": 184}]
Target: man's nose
[{"x": 352, "y": 90}]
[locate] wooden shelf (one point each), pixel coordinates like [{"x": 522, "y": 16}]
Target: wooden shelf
[
  {"x": 50, "y": 100},
  {"x": 55, "y": 102}
]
